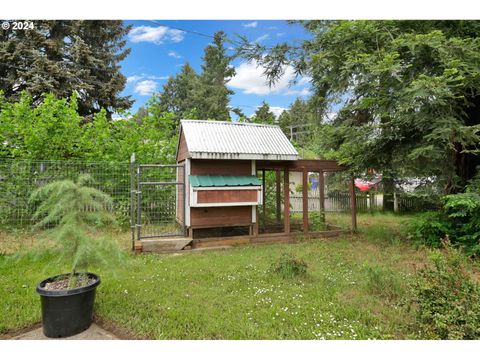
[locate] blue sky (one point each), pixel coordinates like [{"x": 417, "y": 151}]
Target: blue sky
[{"x": 158, "y": 52}]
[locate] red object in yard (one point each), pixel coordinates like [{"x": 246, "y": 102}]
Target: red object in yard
[{"x": 364, "y": 185}]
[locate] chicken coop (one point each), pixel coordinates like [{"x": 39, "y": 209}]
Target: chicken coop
[{"x": 231, "y": 185}]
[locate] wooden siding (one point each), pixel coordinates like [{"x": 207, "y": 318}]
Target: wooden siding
[
  {"x": 182, "y": 151},
  {"x": 226, "y": 196},
  {"x": 221, "y": 216},
  {"x": 221, "y": 167}
]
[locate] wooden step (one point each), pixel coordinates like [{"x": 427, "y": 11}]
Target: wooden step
[
  {"x": 208, "y": 248},
  {"x": 165, "y": 245}
]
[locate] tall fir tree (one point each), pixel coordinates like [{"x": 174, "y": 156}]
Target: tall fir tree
[
  {"x": 263, "y": 115},
  {"x": 214, "y": 96},
  {"x": 65, "y": 57},
  {"x": 180, "y": 95}
]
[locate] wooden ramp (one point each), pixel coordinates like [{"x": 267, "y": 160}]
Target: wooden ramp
[{"x": 165, "y": 245}]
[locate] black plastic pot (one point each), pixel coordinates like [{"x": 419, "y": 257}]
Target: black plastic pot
[{"x": 67, "y": 312}]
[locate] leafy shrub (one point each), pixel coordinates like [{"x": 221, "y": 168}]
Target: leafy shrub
[
  {"x": 382, "y": 282},
  {"x": 317, "y": 222},
  {"x": 428, "y": 228},
  {"x": 447, "y": 299},
  {"x": 463, "y": 212},
  {"x": 289, "y": 267},
  {"x": 459, "y": 218}
]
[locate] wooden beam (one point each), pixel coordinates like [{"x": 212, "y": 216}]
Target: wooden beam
[
  {"x": 321, "y": 191},
  {"x": 298, "y": 165},
  {"x": 305, "y": 200},
  {"x": 264, "y": 201},
  {"x": 286, "y": 206},
  {"x": 278, "y": 195},
  {"x": 353, "y": 202}
]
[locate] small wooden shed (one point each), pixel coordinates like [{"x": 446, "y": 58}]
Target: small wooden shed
[
  {"x": 222, "y": 189},
  {"x": 221, "y": 161}
]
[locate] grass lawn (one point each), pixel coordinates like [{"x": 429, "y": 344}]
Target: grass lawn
[{"x": 354, "y": 289}]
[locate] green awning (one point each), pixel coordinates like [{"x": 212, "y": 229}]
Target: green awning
[{"x": 221, "y": 180}]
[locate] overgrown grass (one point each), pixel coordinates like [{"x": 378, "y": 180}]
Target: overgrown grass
[{"x": 234, "y": 294}]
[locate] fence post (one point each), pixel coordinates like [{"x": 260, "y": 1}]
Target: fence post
[
  {"x": 132, "y": 197},
  {"x": 286, "y": 196},
  {"x": 321, "y": 191},
  {"x": 353, "y": 202},
  {"x": 305, "y": 200}
]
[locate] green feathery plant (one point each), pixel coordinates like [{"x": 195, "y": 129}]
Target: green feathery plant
[{"x": 73, "y": 210}]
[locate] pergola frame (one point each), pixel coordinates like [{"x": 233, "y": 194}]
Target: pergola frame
[{"x": 303, "y": 166}]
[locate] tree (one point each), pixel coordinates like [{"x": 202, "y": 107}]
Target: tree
[
  {"x": 408, "y": 94},
  {"x": 75, "y": 210},
  {"x": 50, "y": 130},
  {"x": 263, "y": 115},
  {"x": 298, "y": 120},
  {"x": 214, "y": 95},
  {"x": 53, "y": 130},
  {"x": 192, "y": 96},
  {"x": 66, "y": 58},
  {"x": 180, "y": 95}
]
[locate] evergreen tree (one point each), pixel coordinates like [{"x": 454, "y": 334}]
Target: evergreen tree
[
  {"x": 263, "y": 115},
  {"x": 180, "y": 95},
  {"x": 66, "y": 57},
  {"x": 205, "y": 96},
  {"x": 214, "y": 96}
]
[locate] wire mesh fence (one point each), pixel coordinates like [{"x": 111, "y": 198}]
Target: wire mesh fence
[
  {"x": 19, "y": 178},
  {"x": 160, "y": 206}
]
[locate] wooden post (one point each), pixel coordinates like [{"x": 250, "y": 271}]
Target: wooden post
[
  {"x": 286, "y": 206},
  {"x": 305, "y": 200},
  {"x": 277, "y": 192},
  {"x": 264, "y": 202},
  {"x": 353, "y": 202},
  {"x": 321, "y": 191}
]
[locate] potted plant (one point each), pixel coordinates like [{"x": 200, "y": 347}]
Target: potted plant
[{"x": 72, "y": 210}]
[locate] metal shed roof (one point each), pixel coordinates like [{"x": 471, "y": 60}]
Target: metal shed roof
[{"x": 236, "y": 141}]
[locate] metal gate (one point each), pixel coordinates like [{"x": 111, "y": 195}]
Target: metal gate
[{"x": 157, "y": 200}]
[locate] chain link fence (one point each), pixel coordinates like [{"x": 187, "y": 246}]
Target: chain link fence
[{"x": 19, "y": 178}]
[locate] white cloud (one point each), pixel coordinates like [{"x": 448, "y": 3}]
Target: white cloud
[
  {"x": 174, "y": 55},
  {"x": 329, "y": 117},
  {"x": 299, "y": 92},
  {"x": 133, "y": 79},
  {"x": 146, "y": 87},
  {"x": 156, "y": 35},
  {"x": 249, "y": 78},
  {"x": 277, "y": 110},
  {"x": 253, "y": 24},
  {"x": 304, "y": 80},
  {"x": 262, "y": 38},
  {"x": 153, "y": 77},
  {"x": 280, "y": 34}
]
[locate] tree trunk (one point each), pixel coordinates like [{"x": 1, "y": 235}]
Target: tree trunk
[
  {"x": 466, "y": 164},
  {"x": 388, "y": 190}
]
